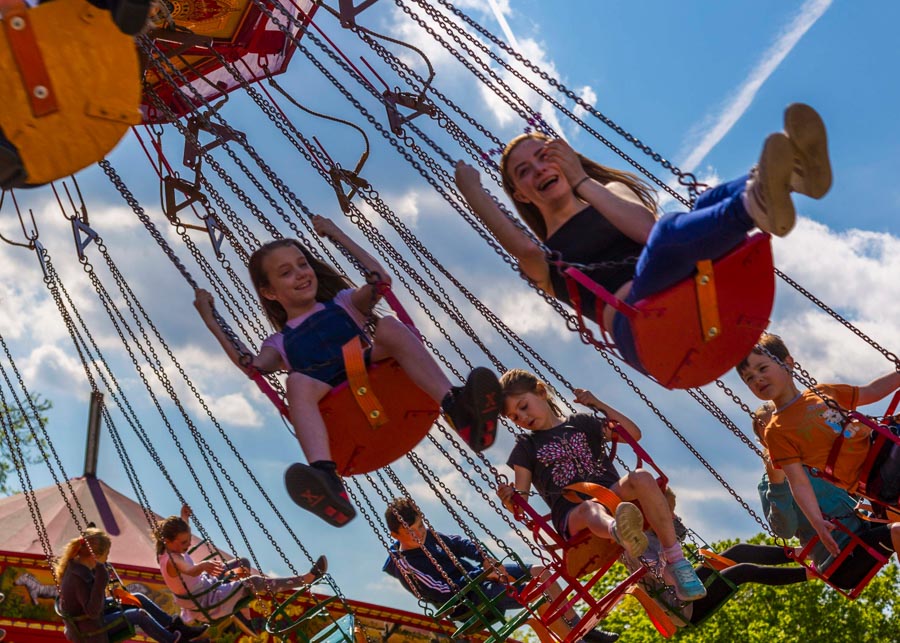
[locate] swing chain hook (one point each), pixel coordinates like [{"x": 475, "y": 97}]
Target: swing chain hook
[{"x": 31, "y": 237}]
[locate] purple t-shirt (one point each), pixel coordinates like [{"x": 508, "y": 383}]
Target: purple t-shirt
[{"x": 342, "y": 299}]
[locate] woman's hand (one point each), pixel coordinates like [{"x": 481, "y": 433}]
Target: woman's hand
[
  {"x": 561, "y": 154},
  {"x": 325, "y": 227},
  {"x": 186, "y": 512},
  {"x": 467, "y": 177}
]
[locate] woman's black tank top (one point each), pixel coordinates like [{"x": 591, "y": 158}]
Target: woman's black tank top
[{"x": 589, "y": 238}]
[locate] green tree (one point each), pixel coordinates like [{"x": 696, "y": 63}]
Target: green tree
[
  {"x": 16, "y": 437},
  {"x": 808, "y": 612}
]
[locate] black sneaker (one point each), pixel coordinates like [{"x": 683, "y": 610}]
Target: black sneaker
[
  {"x": 319, "y": 492},
  {"x": 130, "y": 16},
  {"x": 473, "y": 409},
  {"x": 600, "y": 636},
  {"x": 319, "y": 568},
  {"x": 188, "y": 632}
]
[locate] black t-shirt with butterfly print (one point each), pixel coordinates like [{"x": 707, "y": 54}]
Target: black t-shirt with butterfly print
[{"x": 569, "y": 452}]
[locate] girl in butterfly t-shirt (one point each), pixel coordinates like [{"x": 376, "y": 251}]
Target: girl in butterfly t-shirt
[{"x": 561, "y": 451}]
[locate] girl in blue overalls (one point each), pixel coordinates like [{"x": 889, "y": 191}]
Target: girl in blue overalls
[{"x": 316, "y": 311}]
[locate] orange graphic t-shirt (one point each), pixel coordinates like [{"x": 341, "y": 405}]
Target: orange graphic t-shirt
[{"x": 805, "y": 430}]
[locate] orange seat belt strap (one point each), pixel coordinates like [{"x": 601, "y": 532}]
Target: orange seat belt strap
[
  {"x": 601, "y": 494},
  {"x": 716, "y": 561},
  {"x": 707, "y": 302},
  {"x": 358, "y": 381},
  {"x": 27, "y": 55}
]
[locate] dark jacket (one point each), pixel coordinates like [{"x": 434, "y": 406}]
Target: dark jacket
[{"x": 83, "y": 593}]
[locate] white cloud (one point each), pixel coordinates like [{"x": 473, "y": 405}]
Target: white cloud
[{"x": 51, "y": 371}]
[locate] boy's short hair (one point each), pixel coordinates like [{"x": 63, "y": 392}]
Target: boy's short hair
[
  {"x": 768, "y": 344},
  {"x": 400, "y": 509}
]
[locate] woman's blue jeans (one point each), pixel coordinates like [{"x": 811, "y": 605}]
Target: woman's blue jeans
[
  {"x": 718, "y": 223},
  {"x": 149, "y": 617}
]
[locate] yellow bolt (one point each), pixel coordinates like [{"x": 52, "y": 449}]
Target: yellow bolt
[
  {"x": 361, "y": 390},
  {"x": 713, "y": 331},
  {"x": 704, "y": 280},
  {"x": 374, "y": 414}
]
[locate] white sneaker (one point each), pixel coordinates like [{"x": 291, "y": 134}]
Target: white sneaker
[
  {"x": 812, "y": 168},
  {"x": 768, "y": 194},
  {"x": 628, "y": 529}
]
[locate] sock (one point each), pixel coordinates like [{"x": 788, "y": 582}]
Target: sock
[
  {"x": 673, "y": 554},
  {"x": 612, "y": 529},
  {"x": 329, "y": 467},
  {"x": 449, "y": 398}
]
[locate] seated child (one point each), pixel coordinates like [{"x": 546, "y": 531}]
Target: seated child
[
  {"x": 803, "y": 428},
  {"x": 189, "y": 581},
  {"x": 761, "y": 564},
  {"x": 788, "y": 521},
  {"x": 83, "y": 581},
  {"x": 315, "y": 311},
  {"x": 561, "y": 451},
  {"x": 408, "y": 559}
]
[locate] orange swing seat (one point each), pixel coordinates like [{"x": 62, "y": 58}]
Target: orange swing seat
[
  {"x": 373, "y": 418},
  {"x": 695, "y": 331}
]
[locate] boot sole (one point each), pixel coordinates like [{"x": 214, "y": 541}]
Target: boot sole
[
  {"x": 630, "y": 529},
  {"x": 806, "y": 130},
  {"x": 311, "y": 492},
  {"x": 776, "y": 164},
  {"x": 483, "y": 396}
]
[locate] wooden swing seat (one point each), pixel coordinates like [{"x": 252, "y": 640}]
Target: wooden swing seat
[
  {"x": 695, "y": 331},
  {"x": 70, "y": 83}
]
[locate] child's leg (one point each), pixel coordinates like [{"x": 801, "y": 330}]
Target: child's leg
[
  {"x": 472, "y": 409},
  {"x": 315, "y": 487},
  {"x": 394, "y": 339},
  {"x": 304, "y": 394},
  {"x": 641, "y": 485},
  {"x": 263, "y": 584}
]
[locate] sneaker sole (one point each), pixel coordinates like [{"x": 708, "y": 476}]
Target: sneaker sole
[
  {"x": 630, "y": 529},
  {"x": 776, "y": 164},
  {"x": 483, "y": 396},
  {"x": 806, "y": 130},
  {"x": 310, "y": 492},
  {"x": 131, "y": 16}
]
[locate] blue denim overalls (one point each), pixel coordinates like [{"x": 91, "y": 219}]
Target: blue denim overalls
[{"x": 313, "y": 348}]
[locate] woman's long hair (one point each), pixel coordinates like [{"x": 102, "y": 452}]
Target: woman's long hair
[
  {"x": 529, "y": 212},
  {"x": 99, "y": 544},
  {"x": 330, "y": 281}
]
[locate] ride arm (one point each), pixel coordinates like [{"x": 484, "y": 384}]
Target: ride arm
[
  {"x": 805, "y": 497},
  {"x": 615, "y": 201},
  {"x": 879, "y": 389},
  {"x": 267, "y": 360},
  {"x": 522, "y": 485},
  {"x": 531, "y": 258},
  {"x": 365, "y": 297},
  {"x": 585, "y": 397}
]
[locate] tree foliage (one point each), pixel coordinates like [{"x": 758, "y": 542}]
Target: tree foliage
[
  {"x": 809, "y": 611},
  {"x": 18, "y": 446}
]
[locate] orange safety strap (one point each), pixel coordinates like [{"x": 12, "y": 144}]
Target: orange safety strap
[
  {"x": 358, "y": 381},
  {"x": 657, "y": 615},
  {"x": 716, "y": 561},
  {"x": 707, "y": 301},
  {"x": 599, "y": 493},
  {"x": 27, "y": 55}
]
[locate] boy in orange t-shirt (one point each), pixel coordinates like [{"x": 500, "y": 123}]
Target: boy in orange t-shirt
[{"x": 804, "y": 427}]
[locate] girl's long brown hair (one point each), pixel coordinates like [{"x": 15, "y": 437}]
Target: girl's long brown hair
[
  {"x": 529, "y": 212},
  {"x": 168, "y": 529},
  {"x": 330, "y": 281},
  {"x": 98, "y": 540}
]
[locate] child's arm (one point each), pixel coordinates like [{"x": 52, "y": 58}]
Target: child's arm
[
  {"x": 588, "y": 399},
  {"x": 364, "y": 297},
  {"x": 178, "y": 565},
  {"x": 805, "y": 497},
  {"x": 879, "y": 389},
  {"x": 522, "y": 485},
  {"x": 268, "y": 359},
  {"x": 530, "y": 256}
]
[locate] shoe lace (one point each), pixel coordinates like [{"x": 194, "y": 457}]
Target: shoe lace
[{"x": 683, "y": 573}]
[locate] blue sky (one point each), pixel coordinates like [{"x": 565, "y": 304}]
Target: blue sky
[{"x": 701, "y": 82}]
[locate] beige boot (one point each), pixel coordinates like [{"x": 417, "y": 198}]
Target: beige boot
[
  {"x": 768, "y": 194},
  {"x": 812, "y": 169}
]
